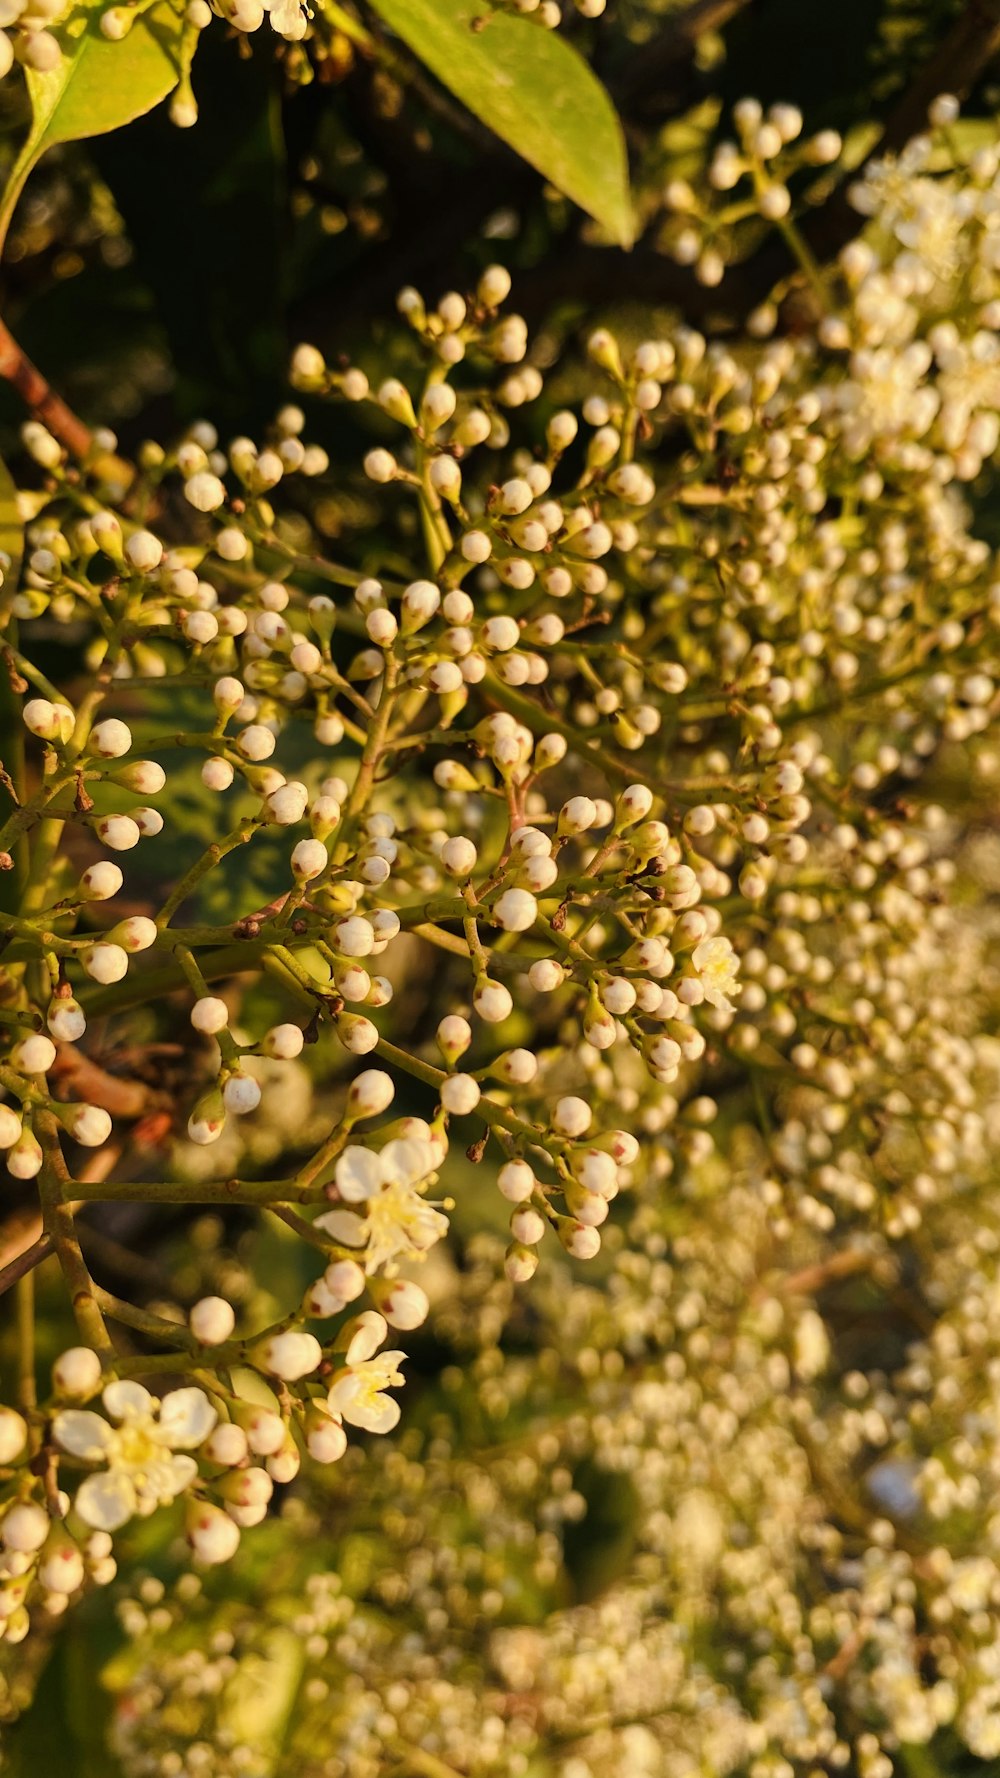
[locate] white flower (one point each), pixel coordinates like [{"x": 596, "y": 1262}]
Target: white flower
[
  {"x": 357, "y": 1392},
  {"x": 397, "y": 1219},
  {"x": 718, "y": 968},
  {"x": 142, "y": 1470}
]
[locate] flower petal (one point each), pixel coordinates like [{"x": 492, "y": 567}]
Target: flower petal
[
  {"x": 81, "y": 1434},
  {"x": 106, "y": 1501},
  {"x": 380, "y": 1414},
  {"x": 343, "y": 1225},
  {"x": 176, "y": 1476},
  {"x": 370, "y": 1330},
  {"x": 358, "y": 1173},
  {"x": 406, "y": 1160},
  {"x": 186, "y": 1418},
  {"x": 124, "y": 1398}
]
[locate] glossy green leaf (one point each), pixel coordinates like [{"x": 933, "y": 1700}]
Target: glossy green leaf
[
  {"x": 97, "y": 86},
  {"x": 530, "y": 87}
]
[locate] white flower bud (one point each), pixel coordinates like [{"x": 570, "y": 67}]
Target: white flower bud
[
  {"x": 458, "y": 856},
  {"x": 227, "y": 1443},
  {"x": 515, "y": 496},
  {"x": 10, "y": 1127},
  {"x": 110, "y": 739},
  {"x": 101, "y": 881},
  {"x": 309, "y": 859},
  {"x": 256, "y": 742},
  {"x": 212, "y": 1321},
  {"x": 205, "y": 491},
  {"x": 228, "y": 693},
  {"x": 343, "y": 1282},
  {"x": 571, "y": 1116},
  {"x": 137, "y": 933},
  {"x": 143, "y": 776},
  {"x": 33, "y": 1055},
  {"x": 460, "y": 1094},
  {"x": 515, "y": 910},
  {"x": 290, "y": 1356},
  {"x": 326, "y": 1440},
  {"x": 353, "y": 937},
  {"x": 143, "y": 551},
  {"x": 214, "y": 1537},
  {"x": 90, "y": 1125},
  {"x": 356, "y": 1034},
  {"x": 120, "y": 832},
  {"x": 580, "y": 1241},
  {"x": 288, "y": 805},
  {"x": 241, "y": 1094},
  {"x": 403, "y": 1304},
  {"x": 577, "y": 815},
  {"x": 492, "y": 1001},
  {"x": 371, "y": 1092},
  {"x": 217, "y": 774},
  {"x": 13, "y": 1435},
  {"x": 24, "y": 1527},
  {"x": 494, "y": 286},
  {"x": 50, "y": 722},
  {"x": 38, "y": 441},
  {"x": 420, "y": 602},
  {"x": 210, "y": 1015},
  {"x": 283, "y": 1042},
  {"x": 516, "y": 1181},
  {"x": 200, "y": 626},
  {"x": 381, "y": 627},
  {"x": 76, "y": 1372},
  {"x": 380, "y": 466}
]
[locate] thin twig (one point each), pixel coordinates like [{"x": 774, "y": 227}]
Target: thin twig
[{"x": 41, "y": 398}]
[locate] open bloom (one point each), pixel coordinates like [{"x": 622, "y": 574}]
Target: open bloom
[
  {"x": 357, "y": 1393},
  {"x": 143, "y": 1470},
  {"x": 398, "y": 1221},
  {"x": 718, "y": 968}
]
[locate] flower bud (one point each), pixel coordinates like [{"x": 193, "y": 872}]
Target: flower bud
[
  {"x": 460, "y": 1094},
  {"x": 212, "y": 1320},
  {"x": 33, "y": 1055},
  {"x": 100, "y": 881},
  {"x": 241, "y": 1094},
  {"x": 372, "y": 1091},
  {"x": 110, "y": 739},
  {"x": 143, "y": 551},
  {"x": 309, "y": 860},
  {"x": 77, "y": 1372},
  {"x": 212, "y": 1534},
  {"x": 356, "y": 1034},
  {"x": 90, "y": 1125},
  {"x": 326, "y": 1440},
  {"x": 209, "y": 1015},
  {"x": 24, "y": 1527},
  {"x": 290, "y": 1356},
  {"x": 13, "y": 1435}
]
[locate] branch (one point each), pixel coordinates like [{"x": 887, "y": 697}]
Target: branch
[
  {"x": 25, "y": 1262},
  {"x": 41, "y": 398}
]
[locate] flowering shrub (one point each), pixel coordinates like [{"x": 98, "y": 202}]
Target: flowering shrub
[{"x": 509, "y": 917}]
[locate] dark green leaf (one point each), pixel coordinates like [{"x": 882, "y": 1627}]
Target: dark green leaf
[{"x": 533, "y": 89}]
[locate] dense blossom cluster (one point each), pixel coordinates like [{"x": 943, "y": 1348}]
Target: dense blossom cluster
[{"x": 613, "y": 840}]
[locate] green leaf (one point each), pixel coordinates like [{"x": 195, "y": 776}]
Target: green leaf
[
  {"x": 97, "y": 86},
  {"x": 533, "y": 89}
]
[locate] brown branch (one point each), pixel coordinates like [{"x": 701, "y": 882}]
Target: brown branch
[
  {"x": 25, "y": 1262},
  {"x": 41, "y": 398}
]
